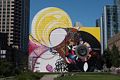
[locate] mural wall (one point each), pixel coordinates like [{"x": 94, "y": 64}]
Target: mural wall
[{"x": 56, "y": 46}]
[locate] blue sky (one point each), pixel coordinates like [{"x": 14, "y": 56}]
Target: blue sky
[{"x": 84, "y": 11}]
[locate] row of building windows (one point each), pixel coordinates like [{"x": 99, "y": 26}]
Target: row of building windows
[
  {"x": 8, "y": 8},
  {"x": 6, "y": 19},
  {"x": 8, "y": 15},
  {"x": 6, "y": 28},
  {"x": 12, "y": 12},
  {"x": 8, "y": 1},
  {"x": 112, "y": 13},
  {"x": 6, "y": 23}
]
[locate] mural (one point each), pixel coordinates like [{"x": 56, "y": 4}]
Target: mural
[{"x": 56, "y": 46}]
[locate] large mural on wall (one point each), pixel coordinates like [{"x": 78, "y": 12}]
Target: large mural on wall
[{"x": 56, "y": 46}]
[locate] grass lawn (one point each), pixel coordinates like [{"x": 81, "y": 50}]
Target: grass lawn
[{"x": 90, "y": 76}]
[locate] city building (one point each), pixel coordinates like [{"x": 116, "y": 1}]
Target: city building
[
  {"x": 109, "y": 23},
  {"x": 97, "y": 22},
  {"x": 117, "y": 3},
  {"x": 14, "y": 20},
  {"x": 3, "y": 45}
]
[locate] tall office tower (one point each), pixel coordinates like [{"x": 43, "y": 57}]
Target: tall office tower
[
  {"x": 108, "y": 24},
  {"x": 7, "y": 18},
  {"x": 110, "y": 21},
  {"x": 117, "y": 3},
  {"x": 14, "y": 18},
  {"x": 99, "y": 23},
  {"x": 21, "y": 24}
]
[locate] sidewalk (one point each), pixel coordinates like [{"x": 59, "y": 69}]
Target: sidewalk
[{"x": 49, "y": 77}]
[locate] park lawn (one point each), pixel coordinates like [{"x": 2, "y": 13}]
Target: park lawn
[{"x": 90, "y": 77}]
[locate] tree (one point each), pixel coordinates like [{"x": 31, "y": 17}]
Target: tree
[
  {"x": 15, "y": 62},
  {"x": 115, "y": 56},
  {"x": 107, "y": 58},
  {"x": 5, "y": 68}
]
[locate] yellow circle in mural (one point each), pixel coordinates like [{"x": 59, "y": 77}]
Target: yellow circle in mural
[{"x": 46, "y": 20}]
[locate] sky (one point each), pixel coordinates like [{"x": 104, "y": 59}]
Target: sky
[{"x": 84, "y": 11}]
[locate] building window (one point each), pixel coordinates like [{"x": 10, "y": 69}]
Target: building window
[
  {"x": 3, "y": 22},
  {"x": 2, "y": 54}
]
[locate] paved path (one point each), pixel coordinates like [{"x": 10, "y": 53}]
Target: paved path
[{"x": 49, "y": 77}]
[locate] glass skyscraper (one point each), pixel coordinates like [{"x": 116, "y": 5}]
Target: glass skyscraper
[
  {"x": 109, "y": 22},
  {"x": 117, "y": 3}
]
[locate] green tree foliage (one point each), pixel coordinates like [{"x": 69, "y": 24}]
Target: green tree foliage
[
  {"x": 112, "y": 57},
  {"x": 115, "y": 56},
  {"x": 107, "y": 58},
  {"x": 5, "y": 68},
  {"x": 14, "y": 64}
]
